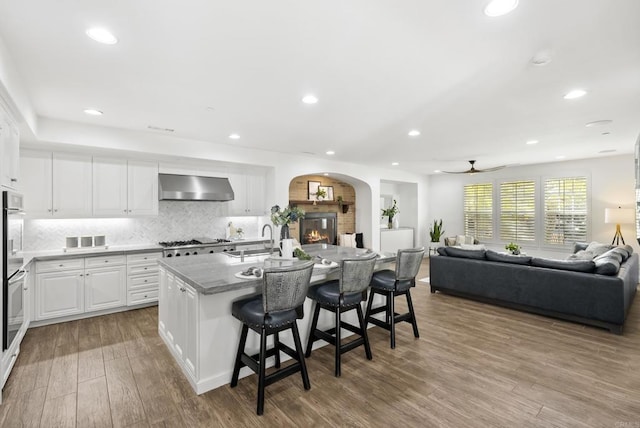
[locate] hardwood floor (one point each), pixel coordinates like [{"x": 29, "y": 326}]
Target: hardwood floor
[{"x": 475, "y": 365}]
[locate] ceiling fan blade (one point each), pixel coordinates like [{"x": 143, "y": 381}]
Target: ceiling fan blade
[
  {"x": 473, "y": 170},
  {"x": 491, "y": 169}
]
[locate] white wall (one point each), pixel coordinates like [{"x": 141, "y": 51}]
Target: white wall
[{"x": 612, "y": 181}]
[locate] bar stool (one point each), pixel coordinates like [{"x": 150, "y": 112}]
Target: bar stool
[
  {"x": 340, "y": 296},
  {"x": 284, "y": 290},
  {"x": 390, "y": 284}
]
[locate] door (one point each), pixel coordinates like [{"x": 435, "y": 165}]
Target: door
[
  {"x": 71, "y": 185},
  {"x": 59, "y": 294},
  {"x": 143, "y": 188},
  {"x": 109, "y": 187},
  {"x": 105, "y": 288}
]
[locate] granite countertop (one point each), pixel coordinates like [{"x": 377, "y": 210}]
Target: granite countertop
[
  {"x": 89, "y": 252},
  {"x": 215, "y": 273}
]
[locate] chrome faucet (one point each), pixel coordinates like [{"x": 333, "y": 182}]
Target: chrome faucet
[{"x": 270, "y": 236}]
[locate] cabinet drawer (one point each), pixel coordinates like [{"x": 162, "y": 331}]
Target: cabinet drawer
[
  {"x": 151, "y": 268},
  {"x": 143, "y": 258},
  {"x": 59, "y": 265},
  {"x": 143, "y": 281},
  {"x": 91, "y": 262},
  {"x": 142, "y": 296}
]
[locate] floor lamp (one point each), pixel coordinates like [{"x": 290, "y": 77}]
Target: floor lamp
[{"x": 619, "y": 216}]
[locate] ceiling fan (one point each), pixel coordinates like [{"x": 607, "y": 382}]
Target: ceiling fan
[{"x": 473, "y": 170}]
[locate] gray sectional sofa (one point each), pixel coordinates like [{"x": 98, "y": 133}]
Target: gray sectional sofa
[{"x": 591, "y": 287}]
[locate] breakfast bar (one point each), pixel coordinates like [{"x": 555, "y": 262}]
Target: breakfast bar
[{"x": 195, "y": 297}]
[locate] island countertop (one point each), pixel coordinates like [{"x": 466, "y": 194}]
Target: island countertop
[{"x": 215, "y": 273}]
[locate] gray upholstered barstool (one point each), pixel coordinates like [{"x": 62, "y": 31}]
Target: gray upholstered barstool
[
  {"x": 284, "y": 290},
  {"x": 396, "y": 283},
  {"x": 339, "y": 296}
]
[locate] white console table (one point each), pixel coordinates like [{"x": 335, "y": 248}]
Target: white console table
[{"x": 392, "y": 240}]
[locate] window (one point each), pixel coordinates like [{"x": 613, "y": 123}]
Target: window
[
  {"x": 565, "y": 210},
  {"x": 478, "y": 211},
  {"x": 518, "y": 211}
]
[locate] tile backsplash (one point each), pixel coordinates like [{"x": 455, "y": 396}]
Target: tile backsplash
[{"x": 176, "y": 220}]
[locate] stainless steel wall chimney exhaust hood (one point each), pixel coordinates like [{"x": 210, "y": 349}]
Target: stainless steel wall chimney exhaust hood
[{"x": 173, "y": 187}]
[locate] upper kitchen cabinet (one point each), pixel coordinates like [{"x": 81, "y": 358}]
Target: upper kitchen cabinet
[
  {"x": 9, "y": 150},
  {"x": 124, "y": 188},
  {"x": 249, "y": 194},
  {"x": 56, "y": 185}
]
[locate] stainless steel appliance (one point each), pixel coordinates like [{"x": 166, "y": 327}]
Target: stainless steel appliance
[
  {"x": 193, "y": 247},
  {"x": 12, "y": 273}
]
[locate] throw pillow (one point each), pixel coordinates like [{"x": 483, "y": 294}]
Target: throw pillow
[
  {"x": 472, "y": 246},
  {"x": 466, "y": 254},
  {"x": 614, "y": 253},
  {"x": 597, "y": 248},
  {"x": 586, "y": 266},
  {"x": 495, "y": 256},
  {"x": 607, "y": 265},
  {"x": 629, "y": 249},
  {"x": 460, "y": 239},
  {"x": 581, "y": 255},
  {"x": 580, "y": 246}
]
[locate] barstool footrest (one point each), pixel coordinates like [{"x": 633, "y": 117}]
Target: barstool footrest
[
  {"x": 351, "y": 345},
  {"x": 281, "y": 374}
]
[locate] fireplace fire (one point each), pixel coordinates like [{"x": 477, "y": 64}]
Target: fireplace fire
[{"x": 319, "y": 228}]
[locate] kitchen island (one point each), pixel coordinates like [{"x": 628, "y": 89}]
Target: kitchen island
[{"x": 194, "y": 315}]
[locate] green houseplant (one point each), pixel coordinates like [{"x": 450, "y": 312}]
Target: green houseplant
[
  {"x": 512, "y": 248},
  {"x": 391, "y": 212},
  {"x": 436, "y": 231}
]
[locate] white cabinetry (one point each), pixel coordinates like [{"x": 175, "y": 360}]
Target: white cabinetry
[
  {"x": 59, "y": 288},
  {"x": 105, "y": 283},
  {"x": 122, "y": 187},
  {"x": 249, "y": 194},
  {"x": 178, "y": 316},
  {"x": 9, "y": 150},
  {"x": 142, "y": 278},
  {"x": 75, "y": 286},
  {"x": 57, "y": 184}
]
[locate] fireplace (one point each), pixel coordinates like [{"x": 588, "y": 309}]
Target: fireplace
[{"x": 319, "y": 228}]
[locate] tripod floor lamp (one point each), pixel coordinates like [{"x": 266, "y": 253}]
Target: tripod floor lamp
[{"x": 619, "y": 216}]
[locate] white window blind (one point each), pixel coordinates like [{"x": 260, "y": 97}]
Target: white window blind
[
  {"x": 565, "y": 210},
  {"x": 518, "y": 211},
  {"x": 478, "y": 211}
]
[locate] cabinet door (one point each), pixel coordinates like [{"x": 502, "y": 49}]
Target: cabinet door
[
  {"x": 36, "y": 186},
  {"x": 179, "y": 320},
  {"x": 162, "y": 301},
  {"x": 109, "y": 187},
  {"x": 9, "y": 149},
  {"x": 173, "y": 302},
  {"x": 143, "y": 188},
  {"x": 71, "y": 185},
  {"x": 255, "y": 195},
  {"x": 238, "y": 206},
  {"x": 59, "y": 294},
  {"x": 105, "y": 288},
  {"x": 190, "y": 320}
]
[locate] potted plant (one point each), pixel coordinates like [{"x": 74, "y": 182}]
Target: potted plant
[
  {"x": 512, "y": 248},
  {"x": 285, "y": 217},
  {"x": 320, "y": 195},
  {"x": 436, "y": 231},
  {"x": 391, "y": 212}
]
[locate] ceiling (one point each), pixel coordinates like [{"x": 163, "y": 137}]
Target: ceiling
[{"x": 208, "y": 68}]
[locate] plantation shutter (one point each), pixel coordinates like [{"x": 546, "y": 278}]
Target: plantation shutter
[
  {"x": 518, "y": 211},
  {"x": 478, "y": 211},
  {"x": 565, "y": 210}
]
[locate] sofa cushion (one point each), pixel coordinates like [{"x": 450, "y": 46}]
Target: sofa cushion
[
  {"x": 466, "y": 254},
  {"x": 442, "y": 251},
  {"x": 619, "y": 254},
  {"x": 495, "y": 256},
  {"x": 597, "y": 248},
  {"x": 587, "y": 266},
  {"x": 579, "y": 246},
  {"x": 607, "y": 264},
  {"x": 629, "y": 249}
]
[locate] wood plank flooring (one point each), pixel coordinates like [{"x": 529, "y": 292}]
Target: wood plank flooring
[{"x": 475, "y": 365}]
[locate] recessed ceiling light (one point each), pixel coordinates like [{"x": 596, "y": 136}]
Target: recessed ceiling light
[
  {"x": 102, "y": 35},
  {"x": 310, "y": 99},
  {"x": 598, "y": 123},
  {"x": 326, "y": 174},
  {"x": 93, "y": 112},
  {"x": 437, "y": 171},
  {"x": 576, "y": 93},
  {"x": 234, "y": 136},
  {"x": 532, "y": 142},
  {"x": 395, "y": 163},
  {"x": 560, "y": 157},
  {"x": 414, "y": 133},
  {"x": 500, "y": 7},
  {"x": 331, "y": 152}
]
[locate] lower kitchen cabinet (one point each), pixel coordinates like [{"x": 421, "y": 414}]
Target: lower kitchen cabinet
[
  {"x": 105, "y": 288},
  {"x": 59, "y": 294},
  {"x": 142, "y": 278}
]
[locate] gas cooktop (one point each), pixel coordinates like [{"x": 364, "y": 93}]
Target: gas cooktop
[{"x": 200, "y": 241}]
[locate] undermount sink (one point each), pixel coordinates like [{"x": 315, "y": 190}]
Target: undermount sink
[{"x": 250, "y": 253}]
